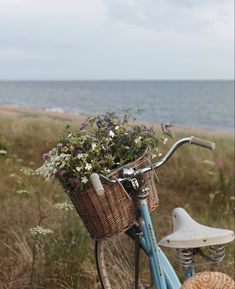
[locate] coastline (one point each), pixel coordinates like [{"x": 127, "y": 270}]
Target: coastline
[
  {"x": 12, "y": 110},
  {"x": 15, "y": 111}
]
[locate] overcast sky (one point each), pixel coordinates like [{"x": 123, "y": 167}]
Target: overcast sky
[{"x": 116, "y": 39}]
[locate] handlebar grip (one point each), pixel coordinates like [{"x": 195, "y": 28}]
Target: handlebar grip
[
  {"x": 203, "y": 143},
  {"x": 95, "y": 179}
]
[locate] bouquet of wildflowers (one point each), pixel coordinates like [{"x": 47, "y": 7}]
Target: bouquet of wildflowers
[{"x": 102, "y": 144}]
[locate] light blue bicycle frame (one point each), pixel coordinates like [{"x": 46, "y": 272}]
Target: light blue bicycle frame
[{"x": 163, "y": 273}]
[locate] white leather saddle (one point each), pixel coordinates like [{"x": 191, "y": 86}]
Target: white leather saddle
[{"x": 190, "y": 234}]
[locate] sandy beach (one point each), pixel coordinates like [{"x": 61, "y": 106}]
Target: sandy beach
[
  {"x": 12, "y": 110},
  {"x": 16, "y": 111}
]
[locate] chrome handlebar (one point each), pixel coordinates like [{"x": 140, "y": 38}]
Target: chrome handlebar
[{"x": 129, "y": 173}]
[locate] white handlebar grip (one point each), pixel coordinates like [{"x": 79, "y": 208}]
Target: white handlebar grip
[
  {"x": 95, "y": 179},
  {"x": 203, "y": 143}
]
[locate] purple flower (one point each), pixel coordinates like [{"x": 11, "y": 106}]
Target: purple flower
[
  {"x": 107, "y": 127},
  {"x": 59, "y": 145},
  {"x": 147, "y": 129},
  {"x": 220, "y": 164},
  {"x": 98, "y": 122},
  {"x": 163, "y": 127},
  {"x": 83, "y": 125},
  {"x": 104, "y": 117},
  {"x": 76, "y": 181},
  {"x": 61, "y": 173},
  {"x": 45, "y": 156},
  {"x": 232, "y": 171},
  {"x": 166, "y": 126}
]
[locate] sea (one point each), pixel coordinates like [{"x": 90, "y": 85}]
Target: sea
[{"x": 196, "y": 104}]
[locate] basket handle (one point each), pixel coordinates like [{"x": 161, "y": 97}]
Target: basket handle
[{"x": 95, "y": 179}]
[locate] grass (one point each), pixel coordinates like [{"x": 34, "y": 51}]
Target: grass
[{"x": 196, "y": 179}]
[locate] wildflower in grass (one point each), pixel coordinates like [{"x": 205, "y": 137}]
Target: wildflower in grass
[
  {"x": 78, "y": 169},
  {"x": 38, "y": 230},
  {"x": 3, "y": 152},
  {"x": 220, "y": 164},
  {"x": 23, "y": 192},
  {"x": 28, "y": 171},
  {"x": 209, "y": 163},
  {"x": 59, "y": 145},
  {"x": 63, "y": 206}
]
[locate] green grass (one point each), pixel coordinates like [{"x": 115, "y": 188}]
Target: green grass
[{"x": 199, "y": 180}]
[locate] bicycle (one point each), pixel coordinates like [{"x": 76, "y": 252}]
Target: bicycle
[{"x": 115, "y": 267}]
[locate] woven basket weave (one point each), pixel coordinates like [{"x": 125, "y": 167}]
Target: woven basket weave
[
  {"x": 115, "y": 211},
  {"x": 209, "y": 280}
]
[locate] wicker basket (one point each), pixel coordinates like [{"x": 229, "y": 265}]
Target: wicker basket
[{"x": 115, "y": 211}]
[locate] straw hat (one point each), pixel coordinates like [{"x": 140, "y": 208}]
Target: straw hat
[{"x": 209, "y": 280}]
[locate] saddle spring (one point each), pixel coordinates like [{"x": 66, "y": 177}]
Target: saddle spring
[
  {"x": 185, "y": 257},
  {"x": 213, "y": 254},
  {"x": 217, "y": 253}
]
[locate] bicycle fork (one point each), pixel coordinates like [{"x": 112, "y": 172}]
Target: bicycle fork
[{"x": 164, "y": 275}]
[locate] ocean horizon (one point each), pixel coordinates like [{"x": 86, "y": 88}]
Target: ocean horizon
[{"x": 202, "y": 104}]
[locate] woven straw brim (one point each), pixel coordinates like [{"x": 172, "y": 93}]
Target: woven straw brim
[{"x": 209, "y": 280}]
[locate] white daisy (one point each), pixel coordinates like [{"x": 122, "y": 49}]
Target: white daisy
[
  {"x": 93, "y": 146},
  {"x": 88, "y": 166},
  {"x": 84, "y": 180},
  {"x": 80, "y": 155},
  {"x": 111, "y": 134},
  {"x": 138, "y": 139}
]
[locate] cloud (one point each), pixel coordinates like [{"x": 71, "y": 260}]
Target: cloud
[
  {"x": 206, "y": 25},
  {"x": 101, "y": 37},
  {"x": 217, "y": 19},
  {"x": 6, "y": 54},
  {"x": 89, "y": 12}
]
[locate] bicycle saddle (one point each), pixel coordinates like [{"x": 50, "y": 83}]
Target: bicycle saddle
[{"x": 190, "y": 234}]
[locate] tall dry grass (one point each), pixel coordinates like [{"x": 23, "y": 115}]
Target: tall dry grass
[{"x": 196, "y": 179}]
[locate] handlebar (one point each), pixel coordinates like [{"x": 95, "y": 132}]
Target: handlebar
[
  {"x": 129, "y": 173},
  {"x": 203, "y": 143}
]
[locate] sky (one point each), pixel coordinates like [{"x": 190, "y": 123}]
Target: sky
[{"x": 116, "y": 39}]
